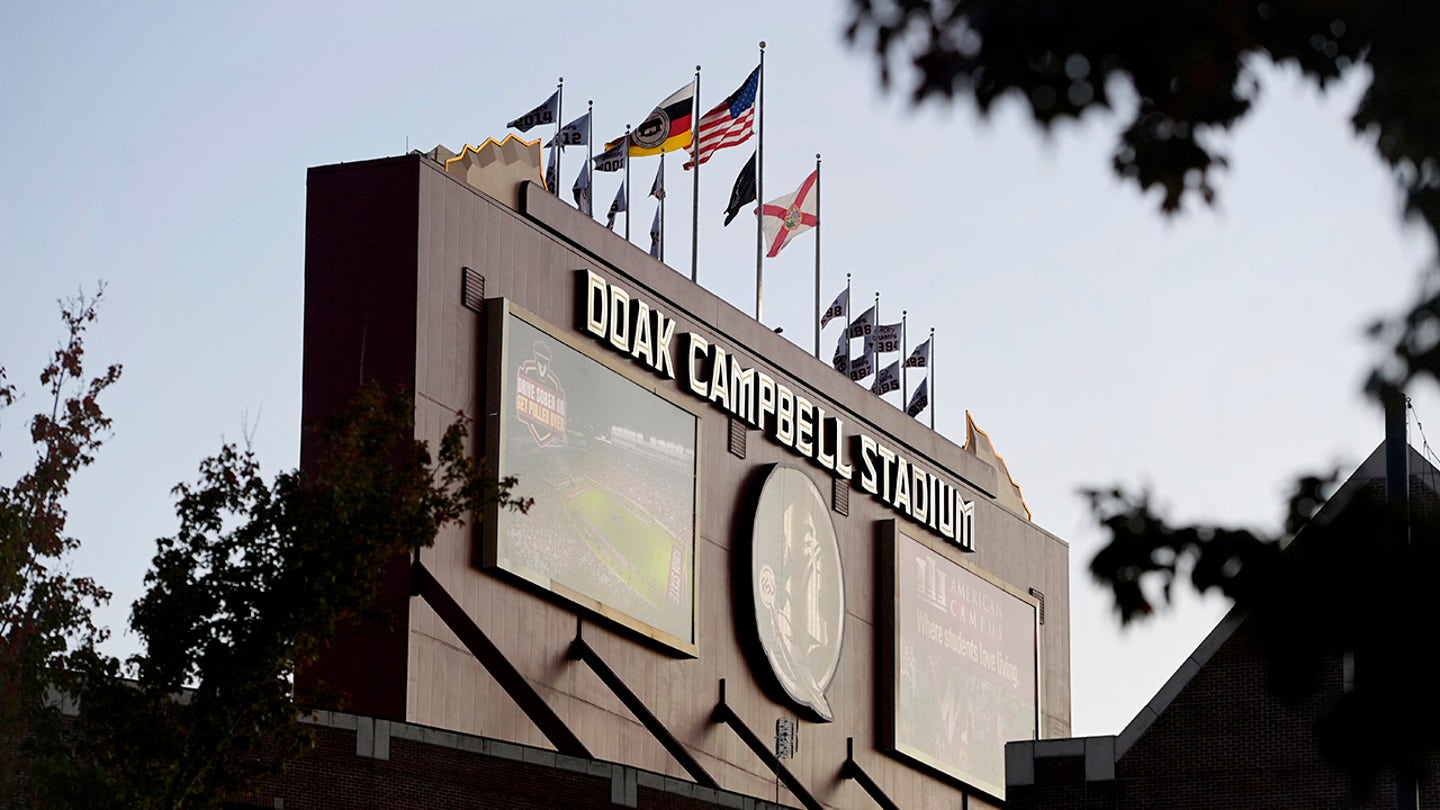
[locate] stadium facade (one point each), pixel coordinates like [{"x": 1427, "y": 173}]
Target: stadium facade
[{"x": 745, "y": 579}]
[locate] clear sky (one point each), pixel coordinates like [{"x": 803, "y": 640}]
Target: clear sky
[{"x": 163, "y": 148}]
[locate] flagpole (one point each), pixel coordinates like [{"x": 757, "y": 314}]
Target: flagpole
[
  {"x": 877, "y": 322},
  {"x": 847, "y": 323},
  {"x": 874, "y": 355},
  {"x": 931, "y": 378},
  {"x": 695, "y": 182},
  {"x": 662, "y": 206},
  {"x": 760, "y": 191},
  {"x": 559, "y": 124},
  {"x": 846, "y": 336},
  {"x": 590, "y": 152},
  {"x": 817, "y": 255},
  {"x": 904, "y": 357},
  {"x": 627, "y": 182}
]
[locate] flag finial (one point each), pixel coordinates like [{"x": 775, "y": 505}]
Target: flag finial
[{"x": 762, "y": 44}]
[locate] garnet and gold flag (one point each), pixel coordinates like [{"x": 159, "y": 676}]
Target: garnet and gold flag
[{"x": 668, "y": 128}]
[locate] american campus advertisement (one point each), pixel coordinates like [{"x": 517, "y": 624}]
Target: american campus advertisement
[{"x": 965, "y": 667}]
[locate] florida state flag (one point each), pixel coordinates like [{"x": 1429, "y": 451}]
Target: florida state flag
[{"x": 793, "y": 214}]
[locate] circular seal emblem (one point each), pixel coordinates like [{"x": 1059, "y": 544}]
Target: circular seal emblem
[
  {"x": 653, "y": 131},
  {"x": 792, "y": 216},
  {"x": 798, "y": 587}
]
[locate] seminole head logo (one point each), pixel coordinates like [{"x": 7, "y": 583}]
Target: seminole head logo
[
  {"x": 539, "y": 396},
  {"x": 799, "y": 589}
]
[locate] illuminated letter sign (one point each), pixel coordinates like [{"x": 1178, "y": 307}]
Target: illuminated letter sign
[{"x": 621, "y": 321}]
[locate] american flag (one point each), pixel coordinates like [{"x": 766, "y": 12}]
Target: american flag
[{"x": 729, "y": 123}]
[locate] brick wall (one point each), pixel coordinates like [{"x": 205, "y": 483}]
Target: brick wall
[
  {"x": 1224, "y": 742},
  {"x": 1227, "y": 742},
  {"x": 363, "y": 763}
]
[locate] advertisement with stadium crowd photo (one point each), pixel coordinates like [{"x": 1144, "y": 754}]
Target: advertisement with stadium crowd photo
[
  {"x": 611, "y": 466},
  {"x": 966, "y": 667}
]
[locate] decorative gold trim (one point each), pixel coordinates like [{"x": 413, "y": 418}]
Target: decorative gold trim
[
  {"x": 500, "y": 143},
  {"x": 970, "y": 430}
]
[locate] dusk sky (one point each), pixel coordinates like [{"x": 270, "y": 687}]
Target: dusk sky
[{"x": 1211, "y": 356}]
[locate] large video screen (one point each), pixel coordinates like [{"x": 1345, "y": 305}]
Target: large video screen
[
  {"x": 965, "y": 667},
  {"x": 611, "y": 466}
]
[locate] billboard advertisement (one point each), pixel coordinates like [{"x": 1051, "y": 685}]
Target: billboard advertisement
[
  {"x": 611, "y": 466},
  {"x": 965, "y": 666}
]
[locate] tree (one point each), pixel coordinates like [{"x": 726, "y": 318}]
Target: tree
[
  {"x": 46, "y": 631},
  {"x": 254, "y": 582},
  {"x": 1188, "y": 65}
]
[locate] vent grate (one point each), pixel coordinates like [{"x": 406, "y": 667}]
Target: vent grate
[
  {"x": 738, "y": 436},
  {"x": 472, "y": 289},
  {"x": 840, "y": 496},
  {"x": 1040, "y": 595}
]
